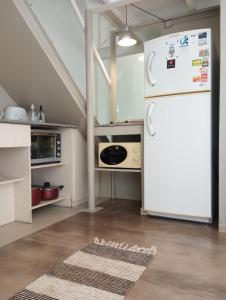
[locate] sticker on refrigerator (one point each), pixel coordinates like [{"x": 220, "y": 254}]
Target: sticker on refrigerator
[
  {"x": 205, "y": 62},
  {"x": 204, "y": 77},
  {"x": 184, "y": 41},
  {"x": 203, "y": 70},
  {"x": 172, "y": 50},
  {"x": 171, "y": 64},
  {"x": 196, "y": 62},
  {"x": 202, "y": 35},
  {"x": 204, "y": 52},
  {"x": 196, "y": 79},
  {"x": 202, "y": 42}
]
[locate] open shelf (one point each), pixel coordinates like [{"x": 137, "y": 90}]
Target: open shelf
[
  {"x": 44, "y": 203},
  {"x": 41, "y": 166},
  {"x": 118, "y": 170},
  {"x": 7, "y": 180}
]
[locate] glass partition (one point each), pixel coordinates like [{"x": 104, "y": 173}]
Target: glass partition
[
  {"x": 101, "y": 35},
  {"x": 129, "y": 85},
  {"x": 130, "y": 74},
  {"x": 103, "y": 109}
]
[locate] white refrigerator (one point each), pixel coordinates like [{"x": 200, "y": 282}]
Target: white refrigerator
[{"x": 177, "y": 134}]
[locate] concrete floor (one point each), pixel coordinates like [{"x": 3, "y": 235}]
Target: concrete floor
[
  {"x": 190, "y": 263},
  {"x": 42, "y": 217}
]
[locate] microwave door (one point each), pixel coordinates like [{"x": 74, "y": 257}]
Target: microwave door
[{"x": 43, "y": 148}]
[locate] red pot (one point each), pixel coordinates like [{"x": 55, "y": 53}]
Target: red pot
[
  {"x": 50, "y": 192},
  {"x": 36, "y": 195}
]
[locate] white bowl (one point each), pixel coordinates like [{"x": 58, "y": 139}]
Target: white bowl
[{"x": 15, "y": 113}]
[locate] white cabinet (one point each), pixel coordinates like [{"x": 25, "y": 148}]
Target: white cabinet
[
  {"x": 15, "y": 184},
  {"x": 22, "y": 136},
  {"x": 7, "y": 209},
  {"x": 14, "y": 135},
  {"x": 17, "y": 175}
]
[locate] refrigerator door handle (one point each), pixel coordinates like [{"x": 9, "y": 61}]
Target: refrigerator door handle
[
  {"x": 151, "y": 80},
  {"x": 151, "y": 129}
]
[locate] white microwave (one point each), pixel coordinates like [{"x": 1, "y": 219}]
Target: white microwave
[{"x": 120, "y": 155}]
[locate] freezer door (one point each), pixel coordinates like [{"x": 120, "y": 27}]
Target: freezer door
[
  {"x": 177, "y": 156},
  {"x": 178, "y": 63}
]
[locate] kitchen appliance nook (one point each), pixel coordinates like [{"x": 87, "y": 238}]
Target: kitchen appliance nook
[{"x": 120, "y": 155}]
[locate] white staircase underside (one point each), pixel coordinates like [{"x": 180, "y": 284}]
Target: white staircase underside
[{"x": 30, "y": 69}]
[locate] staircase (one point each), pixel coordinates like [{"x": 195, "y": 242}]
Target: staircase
[{"x": 35, "y": 65}]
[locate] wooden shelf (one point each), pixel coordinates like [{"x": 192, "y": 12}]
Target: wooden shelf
[
  {"x": 118, "y": 170},
  {"x": 131, "y": 128},
  {"x": 7, "y": 180},
  {"x": 44, "y": 203},
  {"x": 41, "y": 166}
]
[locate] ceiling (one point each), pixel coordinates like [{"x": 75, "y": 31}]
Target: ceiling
[{"x": 165, "y": 9}]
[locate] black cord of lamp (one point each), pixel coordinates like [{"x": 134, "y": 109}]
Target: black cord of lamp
[{"x": 148, "y": 12}]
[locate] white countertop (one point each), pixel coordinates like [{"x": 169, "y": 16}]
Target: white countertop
[
  {"x": 126, "y": 123},
  {"x": 40, "y": 125}
]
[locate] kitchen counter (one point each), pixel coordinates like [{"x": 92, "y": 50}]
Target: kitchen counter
[
  {"x": 39, "y": 125},
  {"x": 127, "y": 123}
]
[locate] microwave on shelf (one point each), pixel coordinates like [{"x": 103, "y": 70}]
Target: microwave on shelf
[
  {"x": 45, "y": 146},
  {"x": 120, "y": 155}
]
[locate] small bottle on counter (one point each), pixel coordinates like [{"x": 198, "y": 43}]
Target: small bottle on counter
[
  {"x": 32, "y": 114},
  {"x": 41, "y": 115}
]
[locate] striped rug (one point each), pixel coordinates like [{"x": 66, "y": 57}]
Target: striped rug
[{"x": 100, "y": 271}]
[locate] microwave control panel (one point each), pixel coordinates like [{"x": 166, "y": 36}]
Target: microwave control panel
[{"x": 58, "y": 145}]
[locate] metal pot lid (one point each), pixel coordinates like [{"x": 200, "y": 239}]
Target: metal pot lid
[
  {"x": 48, "y": 187},
  {"x": 51, "y": 188}
]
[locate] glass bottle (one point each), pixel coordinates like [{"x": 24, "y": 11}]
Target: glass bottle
[
  {"x": 32, "y": 114},
  {"x": 41, "y": 115}
]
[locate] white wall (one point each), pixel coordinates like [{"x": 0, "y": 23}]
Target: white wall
[
  {"x": 80, "y": 169},
  {"x": 5, "y": 99},
  {"x": 124, "y": 186},
  {"x": 222, "y": 150}
]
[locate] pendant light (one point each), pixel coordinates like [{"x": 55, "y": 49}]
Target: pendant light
[{"x": 126, "y": 39}]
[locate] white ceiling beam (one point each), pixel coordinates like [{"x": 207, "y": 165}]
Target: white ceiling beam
[
  {"x": 190, "y": 4},
  {"x": 113, "y": 19},
  {"x": 112, "y": 5}
]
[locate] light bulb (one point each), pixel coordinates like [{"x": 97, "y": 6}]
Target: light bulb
[{"x": 127, "y": 41}]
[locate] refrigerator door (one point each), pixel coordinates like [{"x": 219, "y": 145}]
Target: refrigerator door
[
  {"x": 177, "y": 156},
  {"x": 178, "y": 63}
]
